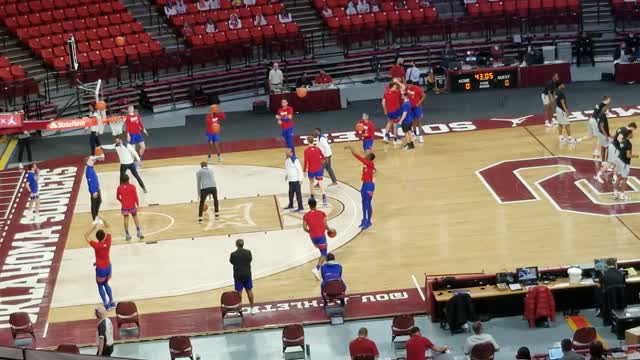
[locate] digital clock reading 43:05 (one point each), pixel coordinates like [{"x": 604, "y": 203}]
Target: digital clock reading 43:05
[{"x": 498, "y": 79}]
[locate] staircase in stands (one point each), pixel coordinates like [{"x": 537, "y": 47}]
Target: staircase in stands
[
  {"x": 11, "y": 48},
  {"x": 597, "y": 16},
  {"x": 449, "y": 8},
  {"x": 145, "y": 11},
  {"x": 310, "y": 23}
]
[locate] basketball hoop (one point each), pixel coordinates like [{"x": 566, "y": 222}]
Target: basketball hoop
[{"x": 117, "y": 124}]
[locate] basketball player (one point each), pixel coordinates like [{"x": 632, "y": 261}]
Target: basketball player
[
  {"x": 595, "y": 131},
  {"x": 285, "y": 120},
  {"x": 212, "y": 134},
  {"x": 135, "y": 128},
  {"x": 417, "y": 96},
  {"x": 391, "y": 101},
  {"x": 127, "y": 155},
  {"x": 102, "y": 248},
  {"x": 314, "y": 167},
  {"x": 94, "y": 189},
  {"x": 368, "y": 186},
  {"x": 128, "y": 197},
  {"x": 625, "y": 154},
  {"x": 33, "y": 189},
  {"x": 562, "y": 115},
  {"x": 367, "y": 134},
  {"x": 406, "y": 121},
  {"x": 314, "y": 222},
  {"x": 613, "y": 160},
  {"x": 548, "y": 100},
  {"x": 96, "y": 130}
]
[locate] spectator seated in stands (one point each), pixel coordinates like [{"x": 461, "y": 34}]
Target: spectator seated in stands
[
  {"x": 323, "y": 78},
  {"x": 249, "y": 2},
  {"x": 259, "y": 20},
  {"x": 375, "y": 7},
  {"x": 584, "y": 48},
  {"x": 448, "y": 55},
  {"x": 362, "y": 345},
  {"x": 478, "y": 337},
  {"x": 284, "y": 16},
  {"x": 417, "y": 346},
  {"x": 181, "y": 8},
  {"x": 401, "y": 4},
  {"x": 304, "y": 81},
  {"x": 596, "y": 351},
  {"x": 326, "y": 11},
  {"x": 497, "y": 53},
  {"x": 234, "y": 22},
  {"x": 397, "y": 70},
  {"x": 363, "y": 7},
  {"x": 523, "y": 354},
  {"x": 425, "y": 3},
  {"x": 204, "y": 5},
  {"x": 331, "y": 270},
  {"x": 632, "y": 41},
  {"x": 567, "y": 351},
  {"x": 215, "y": 4},
  {"x": 170, "y": 9},
  {"x": 211, "y": 26},
  {"x": 236, "y": 3},
  {"x": 351, "y": 8},
  {"x": 187, "y": 31}
]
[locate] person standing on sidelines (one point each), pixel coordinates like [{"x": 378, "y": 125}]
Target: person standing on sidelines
[
  {"x": 94, "y": 189},
  {"x": 314, "y": 168},
  {"x": 314, "y": 222},
  {"x": 34, "y": 193},
  {"x": 562, "y": 115},
  {"x": 294, "y": 176},
  {"x": 102, "y": 249},
  {"x": 416, "y": 96},
  {"x": 368, "y": 186},
  {"x": 548, "y": 100},
  {"x": 104, "y": 333},
  {"x": 135, "y": 128},
  {"x": 127, "y": 155},
  {"x": 213, "y": 131},
  {"x": 368, "y": 133},
  {"x": 128, "y": 197},
  {"x": 285, "y": 120},
  {"x": 241, "y": 261},
  {"x": 323, "y": 144},
  {"x": 206, "y": 185}
]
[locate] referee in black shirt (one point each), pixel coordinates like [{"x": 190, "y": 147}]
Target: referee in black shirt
[{"x": 241, "y": 261}]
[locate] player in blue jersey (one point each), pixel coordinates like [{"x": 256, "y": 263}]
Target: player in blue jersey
[
  {"x": 33, "y": 189},
  {"x": 406, "y": 121}
]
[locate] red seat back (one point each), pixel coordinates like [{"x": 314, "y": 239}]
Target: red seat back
[
  {"x": 293, "y": 335},
  {"x": 180, "y": 346},
  {"x": 483, "y": 351},
  {"x": 402, "y": 325}
]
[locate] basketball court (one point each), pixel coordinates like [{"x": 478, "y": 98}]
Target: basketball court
[{"x": 465, "y": 201}]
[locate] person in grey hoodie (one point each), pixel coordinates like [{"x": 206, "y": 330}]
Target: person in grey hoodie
[{"x": 206, "y": 185}]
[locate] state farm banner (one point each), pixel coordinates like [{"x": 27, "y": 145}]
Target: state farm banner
[
  {"x": 66, "y": 124},
  {"x": 10, "y": 120}
]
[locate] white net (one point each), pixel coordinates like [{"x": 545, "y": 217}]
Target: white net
[{"x": 116, "y": 124}]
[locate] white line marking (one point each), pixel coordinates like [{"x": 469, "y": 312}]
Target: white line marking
[
  {"x": 171, "y": 219},
  {"x": 46, "y": 329},
  {"x": 415, "y": 282}
]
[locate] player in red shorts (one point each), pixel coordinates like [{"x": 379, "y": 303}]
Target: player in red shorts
[
  {"x": 314, "y": 167},
  {"x": 285, "y": 120},
  {"x": 416, "y": 96},
  {"x": 314, "y": 222},
  {"x": 367, "y": 134},
  {"x": 213, "y": 134},
  {"x": 102, "y": 247},
  {"x": 135, "y": 128},
  {"x": 391, "y": 101},
  {"x": 368, "y": 186},
  {"x": 128, "y": 197}
]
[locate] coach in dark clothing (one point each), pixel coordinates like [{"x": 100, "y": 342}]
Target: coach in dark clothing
[
  {"x": 585, "y": 48},
  {"x": 611, "y": 279},
  {"x": 241, "y": 261}
]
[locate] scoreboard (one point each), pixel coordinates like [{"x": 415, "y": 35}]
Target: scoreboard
[{"x": 483, "y": 78}]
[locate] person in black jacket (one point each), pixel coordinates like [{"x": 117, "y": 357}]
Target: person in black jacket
[
  {"x": 608, "y": 279},
  {"x": 584, "y": 48},
  {"x": 241, "y": 261}
]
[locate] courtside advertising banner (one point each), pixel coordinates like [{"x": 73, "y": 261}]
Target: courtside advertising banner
[{"x": 10, "y": 120}]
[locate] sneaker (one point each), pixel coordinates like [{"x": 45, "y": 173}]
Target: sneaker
[
  {"x": 110, "y": 306},
  {"x": 96, "y": 221},
  {"x": 547, "y": 123},
  {"x": 139, "y": 165},
  {"x": 127, "y": 237},
  {"x": 364, "y": 221},
  {"x": 324, "y": 200},
  {"x": 366, "y": 225},
  {"x": 254, "y": 310},
  {"x": 145, "y": 191},
  {"x": 217, "y": 216},
  {"x": 220, "y": 158},
  {"x": 406, "y": 147},
  {"x": 396, "y": 142},
  {"x": 299, "y": 211},
  {"x": 623, "y": 197},
  {"x": 209, "y": 160},
  {"x": 140, "y": 236},
  {"x": 199, "y": 220},
  {"x": 386, "y": 141},
  {"x": 411, "y": 145},
  {"x": 572, "y": 141},
  {"x": 317, "y": 274},
  {"x": 598, "y": 178},
  {"x": 562, "y": 139},
  {"x": 20, "y": 166},
  {"x": 421, "y": 139}
]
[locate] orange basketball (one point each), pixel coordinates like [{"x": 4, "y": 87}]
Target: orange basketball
[
  {"x": 215, "y": 128},
  {"x": 101, "y": 105},
  {"x": 359, "y": 127},
  {"x": 332, "y": 233},
  {"x": 99, "y": 152},
  {"x": 301, "y": 92},
  {"x": 205, "y": 207},
  {"x": 120, "y": 41},
  {"x": 215, "y": 108}
]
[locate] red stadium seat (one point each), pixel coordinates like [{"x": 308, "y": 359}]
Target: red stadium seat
[
  {"x": 94, "y": 9},
  {"x": 115, "y": 19},
  {"x": 107, "y": 56},
  {"x": 405, "y": 16},
  {"x": 137, "y": 27},
  {"x": 104, "y": 21},
  {"x": 91, "y": 23},
  {"x": 127, "y": 311},
  {"x": 23, "y": 7},
  {"x": 46, "y": 43},
  {"x": 381, "y": 19},
  {"x": 60, "y": 64},
  {"x": 95, "y": 58},
  {"x": 143, "y": 49},
  {"x": 583, "y": 337},
  {"x": 292, "y": 28},
  {"x": 70, "y": 13},
  {"x": 68, "y": 26},
  {"x": 230, "y": 302},
  {"x": 119, "y": 55},
  {"x": 431, "y": 14},
  {"x": 35, "y": 19},
  {"x": 59, "y": 51},
  {"x": 179, "y": 347},
  {"x": 156, "y": 48},
  {"x": 83, "y": 47},
  {"x": 131, "y": 51},
  {"x": 80, "y": 24},
  {"x": 256, "y": 35},
  {"x": 482, "y": 351},
  {"x": 401, "y": 326},
  {"x": 293, "y": 335},
  {"x": 20, "y": 323},
  {"x": 105, "y": 8},
  {"x": 68, "y": 348}
]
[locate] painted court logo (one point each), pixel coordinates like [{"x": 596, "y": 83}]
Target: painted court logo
[{"x": 569, "y": 188}]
